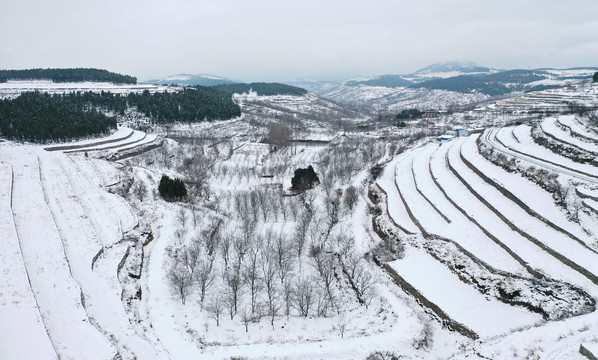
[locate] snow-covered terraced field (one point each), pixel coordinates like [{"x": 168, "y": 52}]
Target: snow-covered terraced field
[
  {"x": 136, "y": 137},
  {"x": 470, "y": 237},
  {"x": 121, "y": 134},
  {"x": 67, "y": 239},
  {"x": 123, "y": 141},
  {"x": 518, "y": 143},
  {"x": 577, "y": 128},
  {"x": 529, "y": 253},
  {"x": 502, "y": 218},
  {"x": 578, "y": 252},
  {"x": 484, "y": 315},
  {"x": 58, "y": 293},
  {"x": 549, "y": 126},
  {"x": 527, "y": 192},
  {"x": 22, "y": 330}
]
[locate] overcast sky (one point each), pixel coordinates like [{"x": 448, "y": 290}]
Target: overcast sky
[{"x": 270, "y": 40}]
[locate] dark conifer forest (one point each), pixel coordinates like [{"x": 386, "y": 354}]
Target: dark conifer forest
[
  {"x": 67, "y": 75},
  {"x": 264, "y": 89},
  {"x": 41, "y": 117}
]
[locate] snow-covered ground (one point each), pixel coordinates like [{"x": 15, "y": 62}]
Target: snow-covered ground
[
  {"x": 89, "y": 245},
  {"x": 486, "y": 316},
  {"x": 14, "y": 88}
]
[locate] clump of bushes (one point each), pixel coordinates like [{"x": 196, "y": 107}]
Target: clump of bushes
[
  {"x": 172, "y": 189},
  {"x": 409, "y": 114},
  {"x": 304, "y": 179}
]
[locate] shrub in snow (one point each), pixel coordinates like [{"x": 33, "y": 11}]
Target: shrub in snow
[
  {"x": 376, "y": 171},
  {"x": 304, "y": 179},
  {"x": 172, "y": 189}
]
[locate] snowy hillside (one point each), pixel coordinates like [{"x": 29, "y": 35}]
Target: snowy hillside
[
  {"x": 442, "y": 86},
  {"x": 475, "y": 247},
  {"x": 14, "y": 88}
]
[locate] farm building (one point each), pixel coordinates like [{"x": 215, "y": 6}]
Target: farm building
[
  {"x": 444, "y": 138},
  {"x": 463, "y": 132}
]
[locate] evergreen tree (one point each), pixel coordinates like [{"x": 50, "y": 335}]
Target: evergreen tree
[
  {"x": 68, "y": 75},
  {"x": 172, "y": 189},
  {"x": 304, "y": 179}
]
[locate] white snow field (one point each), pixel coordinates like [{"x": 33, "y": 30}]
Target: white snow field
[
  {"x": 526, "y": 191},
  {"x": 22, "y": 329},
  {"x": 530, "y": 253},
  {"x": 549, "y": 126},
  {"x": 484, "y": 315},
  {"x": 59, "y": 295},
  {"x": 578, "y": 128},
  {"x": 526, "y": 149},
  {"x": 64, "y": 217},
  {"x": 14, "y": 88},
  {"x": 122, "y": 133},
  {"x": 87, "y": 256},
  {"x": 396, "y": 209}
]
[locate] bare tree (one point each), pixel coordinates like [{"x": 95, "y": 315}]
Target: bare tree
[
  {"x": 284, "y": 208},
  {"x": 241, "y": 245},
  {"x": 576, "y": 205},
  {"x": 194, "y": 214},
  {"x": 279, "y": 135},
  {"x": 332, "y": 206},
  {"x": 225, "y": 246},
  {"x": 240, "y": 203},
  {"x": 564, "y": 192},
  {"x": 216, "y": 308},
  {"x": 269, "y": 280},
  {"x": 362, "y": 279},
  {"x": 140, "y": 190},
  {"x": 204, "y": 277},
  {"x": 188, "y": 257},
  {"x": 211, "y": 235},
  {"x": 179, "y": 281},
  {"x": 246, "y": 318},
  {"x": 251, "y": 275},
  {"x": 322, "y": 302},
  {"x": 288, "y": 296},
  {"x": 197, "y": 169},
  {"x": 180, "y": 233},
  {"x": 350, "y": 197},
  {"x": 283, "y": 256},
  {"x": 265, "y": 203},
  {"x": 182, "y": 217},
  {"x": 343, "y": 323},
  {"x": 325, "y": 263},
  {"x": 254, "y": 206},
  {"x": 304, "y": 296},
  {"x": 233, "y": 279}
]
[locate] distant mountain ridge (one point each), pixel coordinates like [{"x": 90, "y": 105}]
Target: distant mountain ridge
[
  {"x": 391, "y": 81},
  {"x": 464, "y": 67},
  {"x": 193, "y": 80},
  {"x": 458, "y": 77}
]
